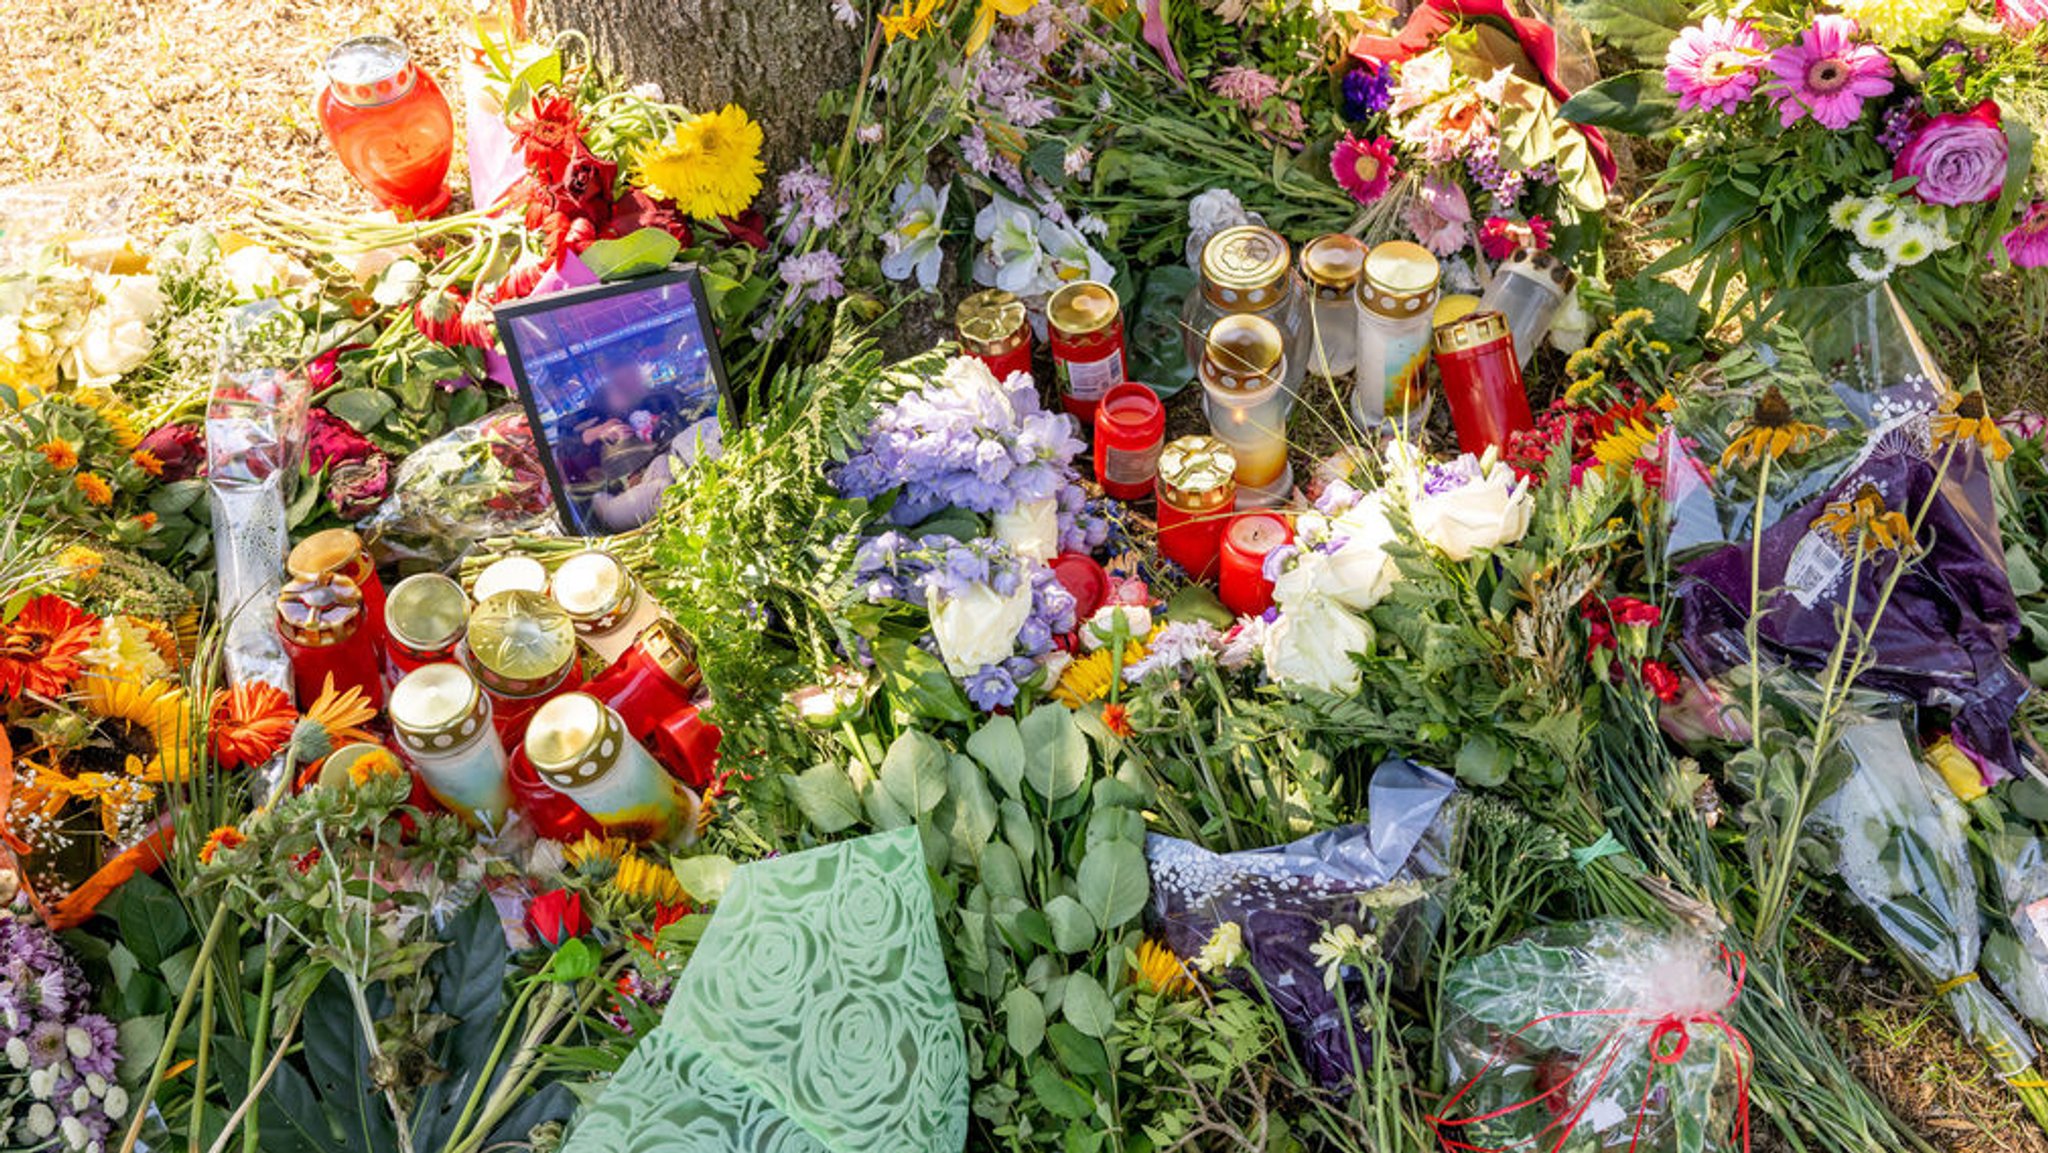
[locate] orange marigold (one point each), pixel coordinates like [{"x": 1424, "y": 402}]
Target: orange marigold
[
  {"x": 61, "y": 453},
  {"x": 227, "y": 838},
  {"x": 95, "y": 489},
  {"x": 147, "y": 461}
]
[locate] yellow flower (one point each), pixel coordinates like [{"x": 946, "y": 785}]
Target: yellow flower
[
  {"x": 1577, "y": 390},
  {"x": 985, "y": 20},
  {"x": 1770, "y": 430},
  {"x": 1223, "y": 950},
  {"x": 1087, "y": 678},
  {"x": 79, "y": 562},
  {"x": 1161, "y": 971},
  {"x": 118, "y": 421},
  {"x": 227, "y": 838},
  {"x": 1864, "y": 517},
  {"x": 157, "y": 710},
  {"x": 377, "y": 763},
  {"x": 95, "y": 489},
  {"x": 1625, "y": 445},
  {"x": 1895, "y": 23},
  {"x": 126, "y": 650},
  {"x": 1964, "y": 418},
  {"x": 910, "y": 21},
  {"x": 61, "y": 453},
  {"x": 591, "y": 850},
  {"x": 710, "y": 165},
  {"x": 648, "y": 880},
  {"x": 1956, "y": 768}
]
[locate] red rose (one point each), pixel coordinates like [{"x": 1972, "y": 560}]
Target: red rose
[
  {"x": 1634, "y": 613},
  {"x": 556, "y": 916},
  {"x": 637, "y": 210},
  {"x": 585, "y": 189},
  {"x": 1661, "y": 680},
  {"x": 331, "y": 442}
]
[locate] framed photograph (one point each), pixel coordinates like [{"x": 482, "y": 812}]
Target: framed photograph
[{"x": 622, "y": 384}]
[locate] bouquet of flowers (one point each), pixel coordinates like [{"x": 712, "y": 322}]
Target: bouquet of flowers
[
  {"x": 62, "y": 1089},
  {"x": 481, "y": 480}
]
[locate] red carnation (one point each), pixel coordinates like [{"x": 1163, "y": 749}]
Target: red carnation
[
  {"x": 1634, "y": 613},
  {"x": 1661, "y": 680}
]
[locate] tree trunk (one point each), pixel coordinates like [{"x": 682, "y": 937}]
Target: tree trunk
[{"x": 775, "y": 58}]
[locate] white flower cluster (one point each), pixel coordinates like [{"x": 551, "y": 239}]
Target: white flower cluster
[
  {"x": 1892, "y": 232},
  {"x": 1030, "y": 253}
]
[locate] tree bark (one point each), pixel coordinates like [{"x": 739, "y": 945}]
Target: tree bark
[{"x": 775, "y": 58}]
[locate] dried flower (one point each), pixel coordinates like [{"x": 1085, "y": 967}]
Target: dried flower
[
  {"x": 1770, "y": 431},
  {"x": 1863, "y": 519},
  {"x": 1963, "y": 417}
]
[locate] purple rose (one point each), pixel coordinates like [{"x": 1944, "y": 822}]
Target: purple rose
[
  {"x": 1958, "y": 157},
  {"x": 357, "y": 487}
]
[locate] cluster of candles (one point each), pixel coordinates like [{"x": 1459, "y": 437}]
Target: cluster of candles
[
  {"x": 1256, "y": 327},
  {"x": 486, "y": 692}
]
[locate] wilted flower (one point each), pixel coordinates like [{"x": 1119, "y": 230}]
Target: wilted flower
[
  {"x": 179, "y": 448},
  {"x": 355, "y": 488},
  {"x": 1865, "y": 519},
  {"x": 1770, "y": 431}
]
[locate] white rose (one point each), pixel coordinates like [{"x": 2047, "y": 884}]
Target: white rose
[
  {"x": 1137, "y": 625},
  {"x": 1312, "y": 644},
  {"x": 256, "y": 272},
  {"x": 1361, "y": 572},
  {"x": 116, "y": 339},
  {"x": 1307, "y": 576},
  {"x": 979, "y": 627},
  {"x": 1031, "y": 530},
  {"x": 1484, "y": 513},
  {"x": 399, "y": 283}
]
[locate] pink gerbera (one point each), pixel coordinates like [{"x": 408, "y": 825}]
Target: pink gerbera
[
  {"x": 1826, "y": 74},
  {"x": 2027, "y": 243},
  {"x": 1441, "y": 217},
  {"x": 1364, "y": 168},
  {"x": 1715, "y": 65}
]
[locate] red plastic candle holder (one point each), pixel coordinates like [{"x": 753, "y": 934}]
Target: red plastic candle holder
[{"x": 1243, "y": 586}]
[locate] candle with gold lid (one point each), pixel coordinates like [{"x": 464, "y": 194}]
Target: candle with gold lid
[
  {"x": 609, "y": 608},
  {"x": 323, "y": 625},
  {"x": 581, "y": 749},
  {"x": 1249, "y": 270},
  {"x": 1197, "y": 494},
  {"x": 651, "y": 684},
  {"x": 522, "y": 647},
  {"x": 340, "y": 552},
  {"x": 423, "y": 622},
  {"x": 1241, "y": 370},
  {"x": 995, "y": 328},
  {"x": 1397, "y": 297},
  {"x": 1086, "y": 325},
  {"x": 442, "y": 719},
  {"x": 1482, "y": 380},
  {"x": 1331, "y": 266}
]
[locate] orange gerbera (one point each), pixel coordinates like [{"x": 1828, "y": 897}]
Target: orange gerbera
[
  {"x": 147, "y": 461},
  {"x": 250, "y": 724},
  {"x": 227, "y": 838},
  {"x": 40, "y": 648},
  {"x": 61, "y": 453},
  {"x": 95, "y": 489}
]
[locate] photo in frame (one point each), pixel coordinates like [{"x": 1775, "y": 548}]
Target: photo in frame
[{"x": 622, "y": 384}]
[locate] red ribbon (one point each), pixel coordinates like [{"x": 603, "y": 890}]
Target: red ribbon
[{"x": 1670, "y": 1037}]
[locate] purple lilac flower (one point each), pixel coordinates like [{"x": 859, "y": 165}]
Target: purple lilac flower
[
  {"x": 1898, "y": 124},
  {"x": 1368, "y": 89},
  {"x": 807, "y": 203},
  {"x": 991, "y": 688},
  {"x": 814, "y": 276},
  {"x": 1450, "y": 476},
  {"x": 1504, "y": 185}
]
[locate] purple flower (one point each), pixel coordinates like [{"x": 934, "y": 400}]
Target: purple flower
[
  {"x": 95, "y": 1036},
  {"x": 814, "y": 276},
  {"x": 807, "y": 203},
  {"x": 991, "y": 688},
  {"x": 1368, "y": 89},
  {"x": 1956, "y": 158},
  {"x": 1277, "y": 560}
]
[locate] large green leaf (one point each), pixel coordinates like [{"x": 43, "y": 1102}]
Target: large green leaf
[
  {"x": 1000, "y": 748},
  {"x": 1633, "y": 102},
  {"x": 1024, "y": 1020},
  {"x": 1112, "y": 884},
  {"x": 1055, "y": 753},
  {"x": 914, "y": 773},
  {"x": 1087, "y": 1007},
  {"x": 1533, "y": 132},
  {"x": 1072, "y": 928},
  {"x": 1643, "y": 27},
  {"x": 918, "y": 683},
  {"x": 969, "y": 814},
  {"x": 826, "y": 797},
  {"x": 363, "y": 408},
  {"x": 469, "y": 986},
  {"x": 153, "y": 922},
  {"x": 645, "y": 251}
]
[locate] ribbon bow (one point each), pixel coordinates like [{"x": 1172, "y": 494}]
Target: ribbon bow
[{"x": 1670, "y": 1037}]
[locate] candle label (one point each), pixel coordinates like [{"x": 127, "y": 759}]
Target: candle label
[
  {"x": 1124, "y": 466},
  {"x": 1407, "y": 361},
  {"x": 1089, "y": 379}
]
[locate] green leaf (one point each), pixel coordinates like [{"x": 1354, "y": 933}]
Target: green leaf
[
  {"x": 647, "y": 250},
  {"x": 1058, "y": 1096},
  {"x": 1000, "y": 873},
  {"x": 1482, "y": 763},
  {"x": 826, "y": 797},
  {"x": 1087, "y": 1007},
  {"x": 704, "y": 877},
  {"x": 1073, "y": 930},
  {"x": 141, "y": 1039},
  {"x": 972, "y": 812},
  {"x": 574, "y": 961},
  {"x": 1633, "y": 102},
  {"x": 914, "y": 773},
  {"x": 363, "y": 408},
  {"x": 1643, "y": 27},
  {"x": 1000, "y": 749},
  {"x": 1024, "y": 1020},
  {"x": 918, "y": 682},
  {"x": 535, "y": 76},
  {"x": 1082, "y": 1055},
  {"x": 1198, "y": 603},
  {"x": 153, "y": 922},
  {"x": 1056, "y": 753},
  {"x": 1113, "y": 884}
]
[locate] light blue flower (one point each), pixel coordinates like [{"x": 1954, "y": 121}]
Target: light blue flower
[{"x": 913, "y": 244}]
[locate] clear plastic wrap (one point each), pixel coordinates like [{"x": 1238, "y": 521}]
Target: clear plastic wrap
[
  {"x": 2016, "y": 952},
  {"x": 482, "y": 480},
  {"x": 1597, "y": 1035},
  {"x": 1379, "y": 878}
]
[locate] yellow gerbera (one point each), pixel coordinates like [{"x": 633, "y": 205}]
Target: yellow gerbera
[
  {"x": 648, "y": 880},
  {"x": 1161, "y": 971},
  {"x": 710, "y": 165},
  {"x": 158, "y": 709},
  {"x": 911, "y": 20},
  {"x": 1087, "y": 678}
]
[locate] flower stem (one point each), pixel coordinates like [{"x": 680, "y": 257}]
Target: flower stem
[
  {"x": 1751, "y": 627},
  {"x": 179, "y": 1016},
  {"x": 257, "y": 1041}
]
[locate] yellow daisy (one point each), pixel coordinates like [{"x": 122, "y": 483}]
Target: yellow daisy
[
  {"x": 1963, "y": 417},
  {"x": 909, "y": 21},
  {"x": 1159, "y": 970},
  {"x": 157, "y": 709},
  {"x": 1769, "y": 431}
]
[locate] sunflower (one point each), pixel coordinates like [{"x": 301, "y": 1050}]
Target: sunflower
[
  {"x": 250, "y": 723},
  {"x": 911, "y": 20},
  {"x": 592, "y": 851},
  {"x": 156, "y": 710},
  {"x": 96, "y": 490},
  {"x": 1159, "y": 970},
  {"x": 1770, "y": 431},
  {"x": 710, "y": 164},
  {"x": 1865, "y": 518},
  {"x": 61, "y": 453},
  {"x": 1963, "y": 417},
  {"x": 40, "y": 649},
  {"x": 647, "y": 880},
  {"x": 1625, "y": 444},
  {"x": 1087, "y": 678}
]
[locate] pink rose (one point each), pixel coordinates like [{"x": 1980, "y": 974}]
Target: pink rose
[{"x": 1959, "y": 157}]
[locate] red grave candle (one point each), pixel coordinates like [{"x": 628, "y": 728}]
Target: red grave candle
[
  {"x": 1130, "y": 429},
  {"x": 389, "y": 124},
  {"x": 994, "y": 328},
  {"x": 1197, "y": 494},
  {"x": 325, "y": 631},
  {"x": 650, "y": 686},
  {"x": 1086, "y": 328},
  {"x": 1244, "y": 587},
  {"x": 1482, "y": 379}
]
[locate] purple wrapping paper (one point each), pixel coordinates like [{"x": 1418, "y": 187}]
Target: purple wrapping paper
[{"x": 1943, "y": 637}]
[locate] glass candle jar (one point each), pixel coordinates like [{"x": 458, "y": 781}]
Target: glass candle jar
[
  {"x": 442, "y": 719},
  {"x": 653, "y": 682},
  {"x": 994, "y": 327},
  {"x": 1248, "y": 270},
  {"x": 326, "y": 637},
  {"x": 340, "y": 552},
  {"x": 1331, "y": 266},
  {"x": 1527, "y": 289},
  {"x": 609, "y": 608},
  {"x": 1242, "y": 367},
  {"x": 508, "y": 573},
  {"x": 1130, "y": 429},
  {"x": 424, "y": 618},
  {"x": 1197, "y": 494},
  {"x": 1250, "y": 536},
  {"x": 583, "y": 751},
  {"x": 1396, "y": 300},
  {"x": 1475, "y": 359},
  {"x": 522, "y": 647},
  {"x": 389, "y": 124},
  {"x": 1087, "y": 335}
]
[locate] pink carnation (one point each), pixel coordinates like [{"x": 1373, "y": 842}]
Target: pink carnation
[
  {"x": 1364, "y": 168},
  {"x": 1957, "y": 157},
  {"x": 2020, "y": 16},
  {"x": 1441, "y": 218},
  {"x": 1715, "y": 65},
  {"x": 1826, "y": 74},
  {"x": 2027, "y": 244}
]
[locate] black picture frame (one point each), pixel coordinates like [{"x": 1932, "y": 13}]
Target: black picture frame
[{"x": 584, "y": 354}]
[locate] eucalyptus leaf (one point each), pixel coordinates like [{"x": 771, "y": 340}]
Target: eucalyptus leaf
[
  {"x": 826, "y": 797},
  {"x": 1087, "y": 1007},
  {"x": 1056, "y": 753},
  {"x": 999, "y": 747},
  {"x": 1073, "y": 929},
  {"x": 914, "y": 773},
  {"x": 1024, "y": 1020},
  {"x": 1113, "y": 884}
]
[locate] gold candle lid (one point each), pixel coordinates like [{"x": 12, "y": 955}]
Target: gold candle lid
[
  {"x": 991, "y": 323},
  {"x": 437, "y": 708},
  {"x": 666, "y": 645},
  {"x": 1471, "y": 331},
  {"x": 1197, "y": 473},
  {"x": 333, "y": 550},
  {"x": 1082, "y": 307},
  {"x": 520, "y": 642},
  {"x": 1243, "y": 353},
  {"x": 508, "y": 573},
  {"x": 426, "y": 612},
  {"x": 1400, "y": 279},
  {"x": 594, "y": 589},
  {"x": 1244, "y": 269},
  {"x": 1333, "y": 264},
  {"x": 573, "y": 740},
  {"x": 321, "y": 610}
]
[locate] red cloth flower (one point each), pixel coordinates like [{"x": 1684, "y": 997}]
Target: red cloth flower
[
  {"x": 556, "y": 916},
  {"x": 41, "y": 646}
]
